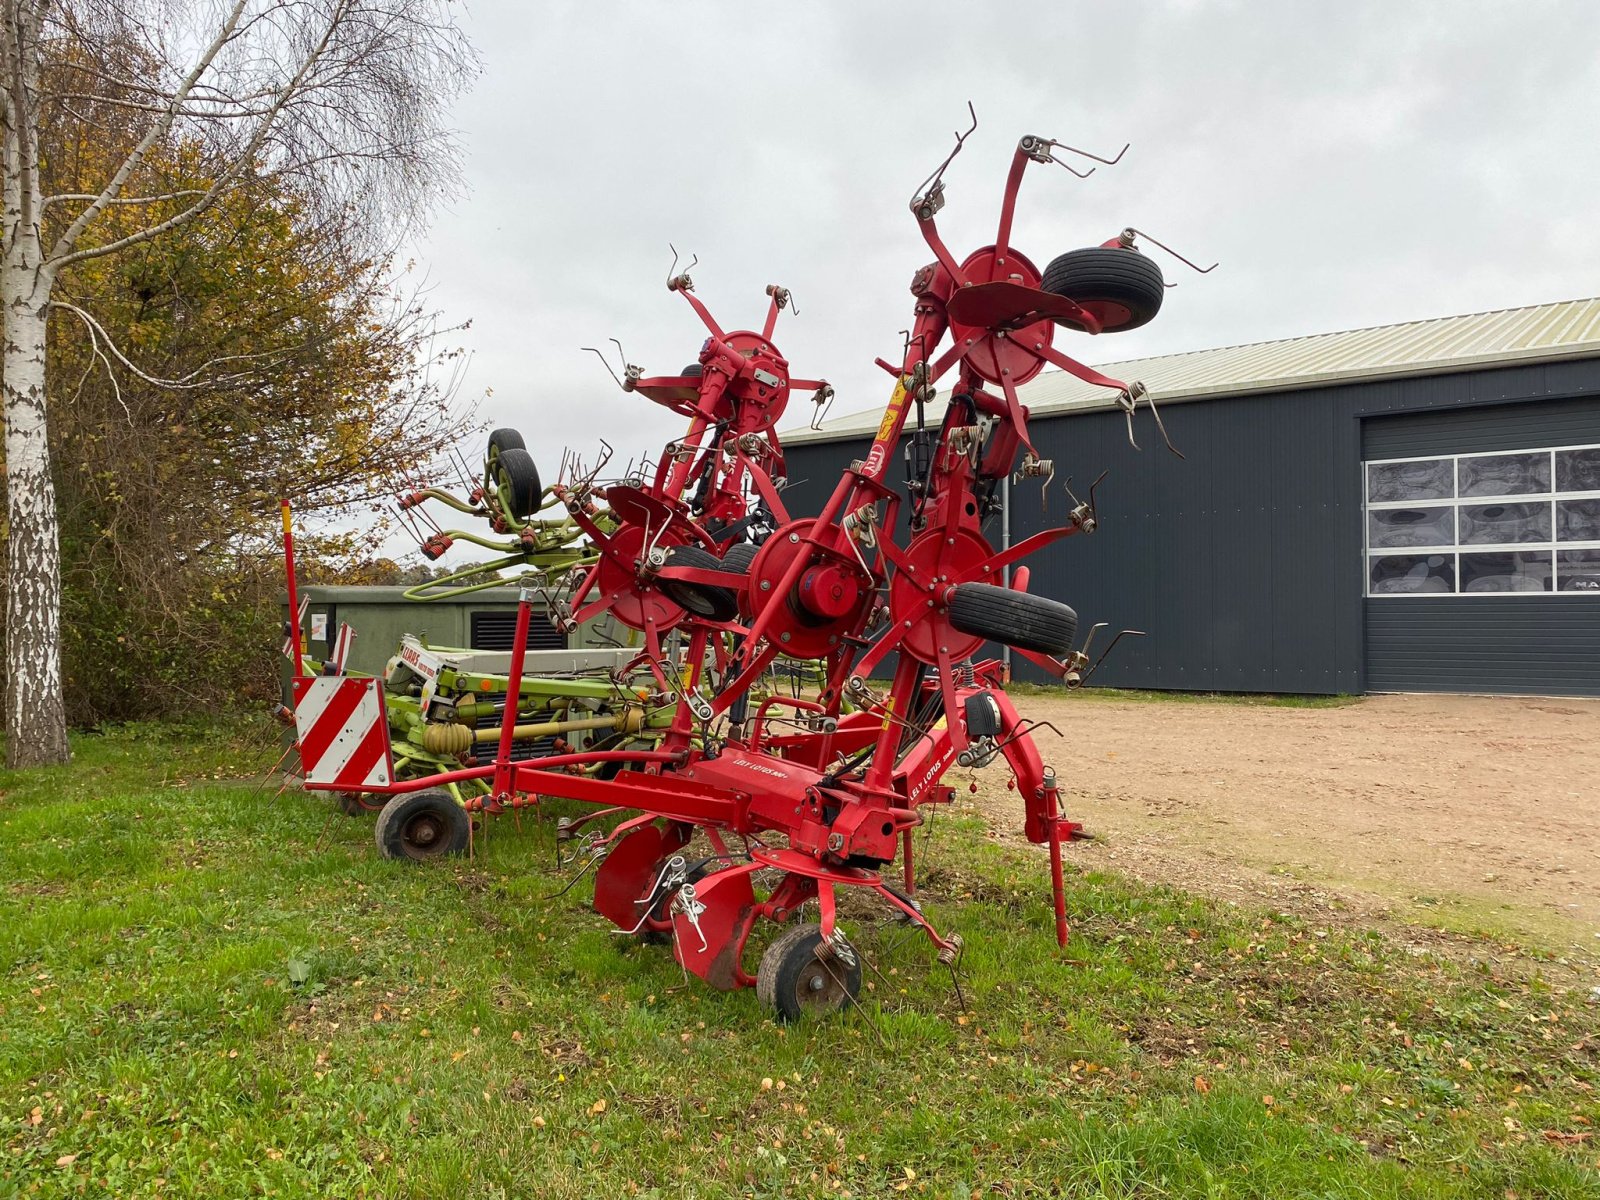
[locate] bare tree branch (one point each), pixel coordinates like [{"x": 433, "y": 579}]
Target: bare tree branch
[
  {"x": 158, "y": 129},
  {"x": 66, "y": 197}
]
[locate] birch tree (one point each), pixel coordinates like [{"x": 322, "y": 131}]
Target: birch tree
[{"x": 342, "y": 101}]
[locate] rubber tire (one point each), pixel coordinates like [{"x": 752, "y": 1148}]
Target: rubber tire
[
  {"x": 514, "y": 472},
  {"x": 1110, "y": 275},
  {"x": 402, "y": 813},
  {"x": 780, "y": 976},
  {"x": 701, "y": 600},
  {"x": 740, "y": 557},
  {"x": 1012, "y": 618},
  {"x": 500, "y": 440},
  {"x": 693, "y": 369},
  {"x": 505, "y": 439}
]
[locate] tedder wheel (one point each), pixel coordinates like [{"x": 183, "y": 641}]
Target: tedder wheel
[
  {"x": 800, "y": 974},
  {"x": 1013, "y": 618},
  {"x": 517, "y": 480},
  {"x": 693, "y": 369},
  {"x": 703, "y": 600},
  {"x": 1122, "y": 288},
  {"x": 738, "y": 558},
  {"x": 499, "y": 441},
  {"x": 505, "y": 439},
  {"x": 422, "y": 825}
]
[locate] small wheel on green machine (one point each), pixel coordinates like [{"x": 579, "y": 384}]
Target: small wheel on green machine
[
  {"x": 421, "y": 826},
  {"x": 801, "y": 975}
]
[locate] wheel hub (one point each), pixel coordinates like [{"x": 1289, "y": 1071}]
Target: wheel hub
[{"x": 818, "y": 987}]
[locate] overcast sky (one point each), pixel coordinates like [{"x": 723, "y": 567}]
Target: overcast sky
[{"x": 1349, "y": 164}]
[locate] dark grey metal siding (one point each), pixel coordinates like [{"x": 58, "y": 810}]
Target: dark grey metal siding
[
  {"x": 1243, "y": 562},
  {"x": 1539, "y": 645},
  {"x": 1547, "y": 645},
  {"x": 1486, "y": 427}
]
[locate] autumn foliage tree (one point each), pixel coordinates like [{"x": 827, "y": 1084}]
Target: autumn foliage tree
[
  {"x": 304, "y": 132},
  {"x": 167, "y": 494}
]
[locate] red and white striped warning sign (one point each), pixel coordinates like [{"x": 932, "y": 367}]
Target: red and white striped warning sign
[{"x": 344, "y": 738}]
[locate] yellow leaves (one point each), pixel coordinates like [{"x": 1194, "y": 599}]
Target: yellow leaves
[
  {"x": 598, "y": 1107},
  {"x": 1202, "y": 1084},
  {"x": 66, "y": 1160}
]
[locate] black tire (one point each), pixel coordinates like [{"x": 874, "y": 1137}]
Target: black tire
[
  {"x": 516, "y": 480},
  {"x": 693, "y": 369},
  {"x": 795, "y": 980},
  {"x": 421, "y": 826},
  {"x": 738, "y": 558},
  {"x": 1121, "y": 287},
  {"x": 701, "y": 600},
  {"x": 505, "y": 439},
  {"x": 500, "y": 440},
  {"x": 1013, "y": 618}
]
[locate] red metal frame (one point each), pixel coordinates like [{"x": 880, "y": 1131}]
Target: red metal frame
[{"x": 831, "y": 804}]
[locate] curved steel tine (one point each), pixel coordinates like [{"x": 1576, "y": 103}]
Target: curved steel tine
[
  {"x": 673, "y": 274},
  {"x": 601, "y": 356},
  {"x": 1156, "y": 413},
  {"x": 932, "y": 180},
  {"x": 1193, "y": 266},
  {"x": 1110, "y": 162},
  {"x": 1072, "y": 169}
]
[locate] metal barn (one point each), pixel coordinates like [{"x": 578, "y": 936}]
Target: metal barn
[{"x": 1407, "y": 508}]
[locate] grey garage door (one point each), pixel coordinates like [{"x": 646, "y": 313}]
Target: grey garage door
[{"x": 1481, "y": 554}]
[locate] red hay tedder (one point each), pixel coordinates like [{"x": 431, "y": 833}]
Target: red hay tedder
[{"x": 795, "y": 799}]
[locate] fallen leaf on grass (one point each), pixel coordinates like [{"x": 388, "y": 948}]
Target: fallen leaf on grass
[
  {"x": 66, "y": 1160},
  {"x": 1202, "y": 1084},
  {"x": 599, "y": 1106}
]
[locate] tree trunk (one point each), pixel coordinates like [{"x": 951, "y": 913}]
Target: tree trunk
[{"x": 36, "y": 725}]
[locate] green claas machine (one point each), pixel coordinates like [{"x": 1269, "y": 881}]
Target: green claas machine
[{"x": 440, "y": 704}]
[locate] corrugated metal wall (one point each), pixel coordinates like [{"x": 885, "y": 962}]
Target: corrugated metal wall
[{"x": 1244, "y": 561}]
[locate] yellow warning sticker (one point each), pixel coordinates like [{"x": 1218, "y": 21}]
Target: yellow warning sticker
[{"x": 892, "y": 413}]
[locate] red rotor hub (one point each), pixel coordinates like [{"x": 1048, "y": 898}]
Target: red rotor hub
[
  {"x": 640, "y": 601},
  {"x": 822, "y": 609},
  {"x": 828, "y": 592},
  {"x": 761, "y": 387},
  {"x": 998, "y": 355}
]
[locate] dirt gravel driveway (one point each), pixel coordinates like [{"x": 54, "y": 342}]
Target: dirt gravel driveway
[{"x": 1484, "y": 811}]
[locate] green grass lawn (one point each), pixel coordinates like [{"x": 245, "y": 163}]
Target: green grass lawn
[{"x": 207, "y": 992}]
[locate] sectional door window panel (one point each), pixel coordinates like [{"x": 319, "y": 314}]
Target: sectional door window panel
[{"x": 1522, "y": 522}]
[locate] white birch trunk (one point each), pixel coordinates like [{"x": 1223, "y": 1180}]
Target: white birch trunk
[
  {"x": 36, "y": 722},
  {"x": 36, "y": 726}
]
